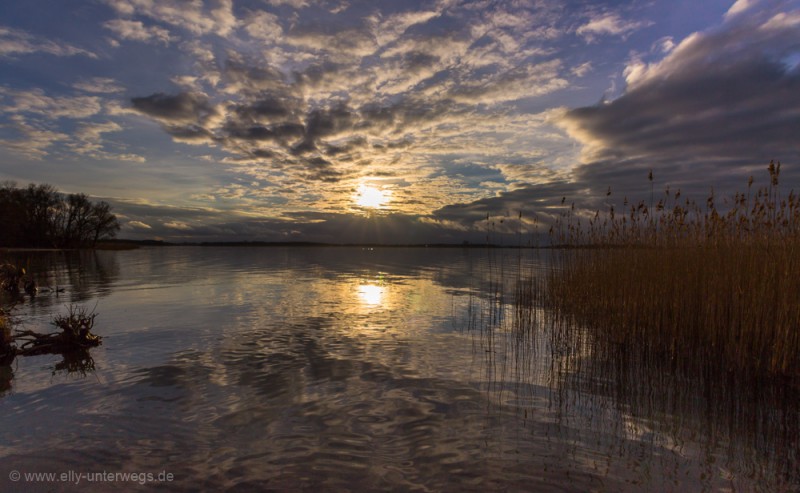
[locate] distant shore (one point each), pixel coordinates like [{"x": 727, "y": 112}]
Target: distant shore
[{"x": 137, "y": 243}]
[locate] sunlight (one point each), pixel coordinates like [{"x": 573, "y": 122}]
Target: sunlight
[
  {"x": 372, "y": 197},
  {"x": 370, "y": 294}
]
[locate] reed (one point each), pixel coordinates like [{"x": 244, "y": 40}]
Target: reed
[
  {"x": 687, "y": 282},
  {"x": 7, "y": 349}
]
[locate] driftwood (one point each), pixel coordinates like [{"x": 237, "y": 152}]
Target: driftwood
[{"x": 75, "y": 335}]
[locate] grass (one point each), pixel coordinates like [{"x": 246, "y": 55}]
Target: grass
[{"x": 688, "y": 282}]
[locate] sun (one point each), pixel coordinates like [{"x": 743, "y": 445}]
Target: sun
[{"x": 371, "y": 197}]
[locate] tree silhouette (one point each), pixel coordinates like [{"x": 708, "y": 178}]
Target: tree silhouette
[{"x": 39, "y": 216}]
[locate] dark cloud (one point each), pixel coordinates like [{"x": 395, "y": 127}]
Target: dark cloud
[
  {"x": 360, "y": 98},
  {"x": 712, "y": 113},
  {"x": 281, "y": 133},
  {"x": 196, "y": 225},
  {"x": 720, "y": 106},
  {"x": 416, "y": 61},
  {"x": 252, "y": 77},
  {"x": 267, "y": 107},
  {"x": 186, "y": 108},
  {"x": 329, "y": 121},
  {"x": 353, "y": 144},
  {"x": 544, "y": 202},
  {"x": 189, "y": 133},
  {"x": 361, "y": 92}
]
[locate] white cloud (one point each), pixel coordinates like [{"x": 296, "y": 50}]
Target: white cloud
[
  {"x": 137, "y": 31},
  {"x": 263, "y": 25},
  {"x": 90, "y": 142},
  {"x": 295, "y": 4},
  {"x": 523, "y": 82},
  {"x": 177, "y": 225},
  {"x": 391, "y": 28},
  {"x": 663, "y": 45},
  {"x": 783, "y": 20},
  {"x": 37, "y": 102},
  {"x": 190, "y": 15},
  {"x": 740, "y": 6},
  {"x": 35, "y": 139},
  {"x": 93, "y": 131},
  {"x": 609, "y": 25},
  {"x": 102, "y": 85},
  {"x": 582, "y": 69},
  {"x": 18, "y": 42},
  {"x": 346, "y": 45},
  {"x": 224, "y": 18}
]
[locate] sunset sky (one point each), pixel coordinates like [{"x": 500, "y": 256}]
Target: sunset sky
[{"x": 391, "y": 121}]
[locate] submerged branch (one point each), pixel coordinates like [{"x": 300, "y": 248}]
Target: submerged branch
[{"x": 75, "y": 335}]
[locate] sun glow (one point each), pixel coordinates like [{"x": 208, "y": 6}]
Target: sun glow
[
  {"x": 371, "y": 197},
  {"x": 370, "y": 294}
]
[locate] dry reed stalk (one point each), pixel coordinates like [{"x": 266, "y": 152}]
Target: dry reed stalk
[{"x": 689, "y": 282}]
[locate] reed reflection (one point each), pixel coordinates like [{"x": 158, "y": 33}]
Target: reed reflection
[{"x": 687, "y": 423}]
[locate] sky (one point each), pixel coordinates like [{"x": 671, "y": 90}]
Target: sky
[{"x": 406, "y": 121}]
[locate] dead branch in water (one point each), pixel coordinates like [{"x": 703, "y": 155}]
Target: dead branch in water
[{"x": 75, "y": 335}]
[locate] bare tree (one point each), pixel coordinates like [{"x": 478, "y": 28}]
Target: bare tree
[
  {"x": 78, "y": 223},
  {"x": 104, "y": 223},
  {"x": 40, "y": 216}
]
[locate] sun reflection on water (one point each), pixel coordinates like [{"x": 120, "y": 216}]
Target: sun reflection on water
[{"x": 371, "y": 294}]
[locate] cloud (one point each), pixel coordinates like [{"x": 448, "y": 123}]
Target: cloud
[
  {"x": 136, "y": 225},
  {"x": 137, "y": 31},
  {"x": 663, "y": 45},
  {"x": 101, "y": 85},
  {"x": 295, "y": 4},
  {"x": 18, "y": 42},
  {"x": 337, "y": 43},
  {"x": 521, "y": 82},
  {"x": 192, "y": 16},
  {"x": 782, "y": 21},
  {"x": 92, "y": 132},
  {"x": 89, "y": 142},
  {"x": 538, "y": 204},
  {"x": 34, "y": 139},
  {"x": 264, "y": 26},
  {"x": 389, "y": 29},
  {"x": 740, "y": 6},
  {"x": 181, "y": 109},
  {"x": 33, "y": 119},
  {"x": 405, "y": 97},
  {"x": 582, "y": 69},
  {"x": 609, "y": 24},
  {"x": 720, "y": 105},
  {"x": 178, "y": 224},
  {"x": 35, "y": 101}
]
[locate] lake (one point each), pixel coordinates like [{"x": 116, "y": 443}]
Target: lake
[{"x": 347, "y": 368}]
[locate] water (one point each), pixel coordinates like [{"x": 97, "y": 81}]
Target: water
[{"x": 251, "y": 369}]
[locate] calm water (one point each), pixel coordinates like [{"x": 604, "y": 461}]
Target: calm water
[{"x": 354, "y": 369}]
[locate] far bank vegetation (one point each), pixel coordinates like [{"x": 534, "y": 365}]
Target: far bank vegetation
[{"x": 38, "y": 216}]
